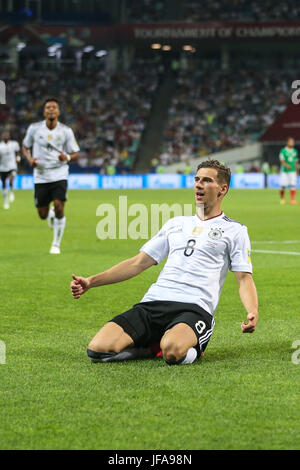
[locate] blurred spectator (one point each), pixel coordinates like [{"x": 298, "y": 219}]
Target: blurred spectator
[
  {"x": 154, "y": 163},
  {"x": 254, "y": 168},
  {"x": 265, "y": 168},
  {"x": 239, "y": 168},
  {"x": 274, "y": 169}
]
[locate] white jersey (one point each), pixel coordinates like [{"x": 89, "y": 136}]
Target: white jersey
[
  {"x": 8, "y": 155},
  {"x": 199, "y": 256},
  {"x": 40, "y": 137}
]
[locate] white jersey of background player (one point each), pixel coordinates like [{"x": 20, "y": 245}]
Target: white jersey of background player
[
  {"x": 49, "y": 168},
  {"x": 48, "y": 146},
  {"x": 9, "y": 156}
]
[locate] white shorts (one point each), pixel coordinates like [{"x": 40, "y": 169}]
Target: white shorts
[{"x": 288, "y": 178}]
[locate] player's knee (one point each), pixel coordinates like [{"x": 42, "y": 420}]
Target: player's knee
[
  {"x": 43, "y": 215},
  {"x": 58, "y": 209},
  {"x": 172, "y": 351},
  {"x": 59, "y": 213},
  {"x": 100, "y": 347}
]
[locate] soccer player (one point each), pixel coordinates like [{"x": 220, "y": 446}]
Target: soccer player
[
  {"x": 178, "y": 309},
  {"x": 53, "y": 146},
  {"x": 289, "y": 168},
  {"x": 9, "y": 157}
]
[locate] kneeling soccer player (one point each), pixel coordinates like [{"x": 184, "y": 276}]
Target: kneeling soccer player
[{"x": 178, "y": 310}]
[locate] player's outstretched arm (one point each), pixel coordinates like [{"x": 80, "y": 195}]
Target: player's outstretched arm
[
  {"x": 27, "y": 154},
  {"x": 248, "y": 295},
  {"x": 120, "y": 272}
]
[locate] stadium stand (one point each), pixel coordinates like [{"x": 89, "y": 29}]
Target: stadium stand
[
  {"x": 217, "y": 110},
  {"x": 209, "y": 110},
  {"x": 146, "y": 11},
  {"x": 108, "y": 113},
  {"x": 159, "y": 102},
  {"x": 240, "y": 10},
  {"x": 216, "y": 10}
]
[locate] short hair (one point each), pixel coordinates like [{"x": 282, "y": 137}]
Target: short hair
[
  {"x": 223, "y": 172},
  {"x": 50, "y": 99}
]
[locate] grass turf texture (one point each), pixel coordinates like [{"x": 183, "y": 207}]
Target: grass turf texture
[{"x": 244, "y": 394}]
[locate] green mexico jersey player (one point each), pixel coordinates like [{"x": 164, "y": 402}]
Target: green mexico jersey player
[{"x": 288, "y": 172}]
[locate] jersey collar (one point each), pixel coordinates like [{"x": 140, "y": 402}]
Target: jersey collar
[
  {"x": 211, "y": 218},
  {"x": 50, "y": 130}
]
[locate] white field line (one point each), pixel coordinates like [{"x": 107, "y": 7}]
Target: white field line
[
  {"x": 278, "y": 252},
  {"x": 278, "y": 242}
]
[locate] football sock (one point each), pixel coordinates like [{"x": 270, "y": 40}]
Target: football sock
[
  {"x": 281, "y": 194},
  {"x": 58, "y": 229},
  {"x": 5, "y": 196},
  {"x": 189, "y": 358},
  {"x": 293, "y": 194},
  {"x": 128, "y": 354}
]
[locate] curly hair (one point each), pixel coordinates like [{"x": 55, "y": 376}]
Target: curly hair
[
  {"x": 50, "y": 99},
  {"x": 223, "y": 172}
]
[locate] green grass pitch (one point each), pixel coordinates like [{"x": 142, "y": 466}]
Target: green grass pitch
[{"x": 244, "y": 394}]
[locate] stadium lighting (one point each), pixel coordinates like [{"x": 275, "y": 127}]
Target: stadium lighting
[
  {"x": 101, "y": 53},
  {"x": 20, "y": 46},
  {"x": 187, "y": 47},
  {"x": 54, "y": 50},
  {"x": 166, "y": 48},
  {"x": 155, "y": 46},
  {"x": 88, "y": 49}
]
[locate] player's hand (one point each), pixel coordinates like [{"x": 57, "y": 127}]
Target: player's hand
[
  {"x": 62, "y": 157},
  {"x": 33, "y": 162},
  {"x": 78, "y": 286},
  {"x": 251, "y": 325}
]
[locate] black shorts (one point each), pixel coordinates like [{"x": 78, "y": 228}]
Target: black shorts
[
  {"x": 146, "y": 322},
  {"x": 44, "y": 193},
  {"x": 6, "y": 174}
]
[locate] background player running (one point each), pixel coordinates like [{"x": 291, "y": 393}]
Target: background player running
[
  {"x": 53, "y": 145},
  {"x": 178, "y": 309},
  {"x": 9, "y": 157},
  {"x": 289, "y": 168}
]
